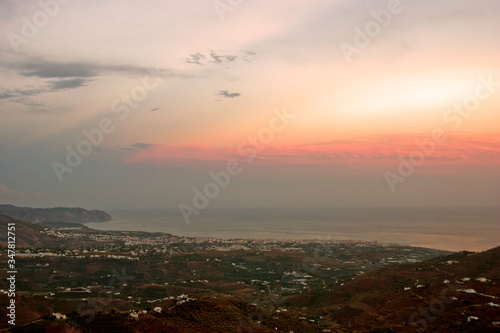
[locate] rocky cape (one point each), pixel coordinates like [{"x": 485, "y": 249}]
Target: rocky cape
[{"x": 59, "y": 214}]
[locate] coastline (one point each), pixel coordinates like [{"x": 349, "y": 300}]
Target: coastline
[{"x": 438, "y": 232}]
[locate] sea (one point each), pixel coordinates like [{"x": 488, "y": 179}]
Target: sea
[{"x": 444, "y": 228}]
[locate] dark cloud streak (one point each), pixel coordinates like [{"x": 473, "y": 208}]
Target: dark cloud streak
[
  {"x": 56, "y": 70},
  {"x": 16, "y": 93},
  {"x": 49, "y": 69},
  {"x": 226, "y": 94},
  {"x": 19, "y": 96},
  {"x": 65, "y": 76},
  {"x": 141, "y": 145},
  {"x": 221, "y": 58},
  {"x": 68, "y": 84},
  {"x": 195, "y": 58}
]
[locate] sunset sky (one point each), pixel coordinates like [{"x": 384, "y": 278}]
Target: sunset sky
[{"x": 333, "y": 100}]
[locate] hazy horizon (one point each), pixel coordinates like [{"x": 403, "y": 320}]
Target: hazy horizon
[{"x": 451, "y": 229}]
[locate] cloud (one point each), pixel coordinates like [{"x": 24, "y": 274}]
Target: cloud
[
  {"x": 226, "y": 94},
  {"x": 31, "y": 103},
  {"x": 4, "y": 94},
  {"x": 65, "y": 76},
  {"x": 50, "y": 69},
  {"x": 218, "y": 57},
  {"x": 248, "y": 55},
  {"x": 141, "y": 145},
  {"x": 459, "y": 148},
  {"x": 68, "y": 84},
  {"x": 221, "y": 58},
  {"x": 195, "y": 58},
  {"x": 56, "y": 70},
  {"x": 14, "y": 93},
  {"x": 20, "y": 95}
]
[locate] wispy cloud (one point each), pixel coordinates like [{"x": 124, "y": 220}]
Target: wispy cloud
[
  {"x": 6, "y": 94},
  {"x": 460, "y": 148},
  {"x": 226, "y": 94},
  {"x": 195, "y": 58},
  {"x": 219, "y": 57},
  {"x": 68, "y": 84},
  {"x": 58, "y": 76},
  {"x": 141, "y": 145},
  {"x": 52, "y": 69},
  {"x": 49, "y": 69},
  {"x": 20, "y": 96},
  {"x": 31, "y": 103},
  {"x": 248, "y": 56}
]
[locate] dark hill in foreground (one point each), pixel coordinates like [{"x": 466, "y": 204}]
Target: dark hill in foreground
[
  {"x": 455, "y": 293},
  {"x": 59, "y": 214},
  {"x": 199, "y": 314}
]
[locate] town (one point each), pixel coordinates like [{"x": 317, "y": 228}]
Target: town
[{"x": 139, "y": 266}]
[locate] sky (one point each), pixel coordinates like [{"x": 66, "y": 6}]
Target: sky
[{"x": 236, "y": 103}]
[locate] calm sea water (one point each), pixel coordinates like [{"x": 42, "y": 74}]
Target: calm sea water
[{"x": 446, "y": 228}]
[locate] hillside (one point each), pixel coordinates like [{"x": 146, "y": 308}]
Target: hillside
[
  {"x": 455, "y": 293},
  {"x": 59, "y": 214},
  {"x": 28, "y": 235},
  {"x": 184, "y": 314}
]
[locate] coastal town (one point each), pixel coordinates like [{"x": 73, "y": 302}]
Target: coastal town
[
  {"x": 252, "y": 268},
  {"x": 69, "y": 274}
]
